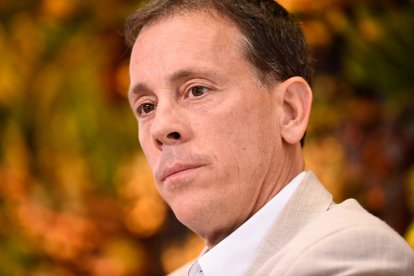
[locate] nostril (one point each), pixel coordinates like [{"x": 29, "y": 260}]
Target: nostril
[
  {"x": 174, "y": 135},
  {"x": 158, "y": 143}
]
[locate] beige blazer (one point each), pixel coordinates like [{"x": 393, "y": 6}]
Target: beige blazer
[{"x": 315, "y": 236}]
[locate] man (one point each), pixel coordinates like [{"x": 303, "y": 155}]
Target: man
[{"x": 220, "y": 91}]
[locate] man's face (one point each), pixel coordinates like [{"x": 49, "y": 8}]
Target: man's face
[{"x": 208, "y": 128}]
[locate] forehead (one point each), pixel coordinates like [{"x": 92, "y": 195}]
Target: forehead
[
  {"x": 197, "y": 35},
  {"x": 189, "y": 19}
]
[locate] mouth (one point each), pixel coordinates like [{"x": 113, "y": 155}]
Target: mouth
[{"x": 177, "y": 170}]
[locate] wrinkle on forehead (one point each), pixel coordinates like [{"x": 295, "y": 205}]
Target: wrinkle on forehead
[
  {"x": 211, "y": 12},
  {"x": 207, "y": 38}
]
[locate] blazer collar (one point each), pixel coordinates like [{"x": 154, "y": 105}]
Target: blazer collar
[{"x": 310, "y": 199}]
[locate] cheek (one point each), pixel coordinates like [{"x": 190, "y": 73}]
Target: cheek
[
  {"x": 243, "y": 129},
  {"x": 142, "y": 136},
  {"x": 246, "y": 138},
  {"x": 147, "y": 147},
  {"x": 228, "y": 137}
]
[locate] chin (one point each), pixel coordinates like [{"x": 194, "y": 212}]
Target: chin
[
  {"x": 186, "y": 210},
  {"x": 202, "y": 219},
  {"x": 191, "y": 213}
]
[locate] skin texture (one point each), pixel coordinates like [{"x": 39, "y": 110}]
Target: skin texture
[{"x": 220, "y": 144}]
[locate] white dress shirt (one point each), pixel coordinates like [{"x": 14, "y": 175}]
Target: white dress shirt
[{"x": 233, "y": 255}]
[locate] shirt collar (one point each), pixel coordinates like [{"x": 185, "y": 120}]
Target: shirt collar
[{"x": 236, "y": 252}]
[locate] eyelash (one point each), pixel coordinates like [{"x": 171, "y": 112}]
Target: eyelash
[
  {"x": 142, "y": 106},
  {"x": 190, "y": 90},
  {"x": 140, "y": 110}
]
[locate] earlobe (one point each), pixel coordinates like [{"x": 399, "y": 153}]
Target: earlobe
[{"x": 297, "y": 101}]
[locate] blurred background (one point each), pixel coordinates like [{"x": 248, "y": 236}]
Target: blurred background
[{"x": 76, "y": 197}]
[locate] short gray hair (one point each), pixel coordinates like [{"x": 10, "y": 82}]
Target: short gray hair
[{"x": 273, "y": 42}]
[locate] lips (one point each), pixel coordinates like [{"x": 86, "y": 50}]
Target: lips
[{"x": 175, "y": 169}]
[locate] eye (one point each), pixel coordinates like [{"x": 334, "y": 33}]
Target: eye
[
  {"x": 198, "y": 91},
  {"x": 145, "y": 108}
]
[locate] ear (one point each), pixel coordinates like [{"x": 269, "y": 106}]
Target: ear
[{"x": 296, "y": 105}]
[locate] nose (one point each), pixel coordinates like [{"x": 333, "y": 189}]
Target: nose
[{"x": 169, "y": 126}]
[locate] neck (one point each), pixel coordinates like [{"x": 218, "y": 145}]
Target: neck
[
  {"x": 274, "y": 181},
  {"x": 277, "y": 178}
]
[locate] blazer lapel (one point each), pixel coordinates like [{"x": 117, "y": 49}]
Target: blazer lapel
[{"x": 310, "y": 199}]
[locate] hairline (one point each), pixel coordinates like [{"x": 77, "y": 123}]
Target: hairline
[{"x": 244, "y": 45}]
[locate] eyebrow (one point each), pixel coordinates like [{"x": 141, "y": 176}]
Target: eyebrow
[
  {"x": 139, "y": 88},
  {"x": 142, "y": 88},
  {"x": 183, "y": 74}
]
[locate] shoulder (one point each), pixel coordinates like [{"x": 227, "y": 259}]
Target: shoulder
[{"x": 345, "y": 239}]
